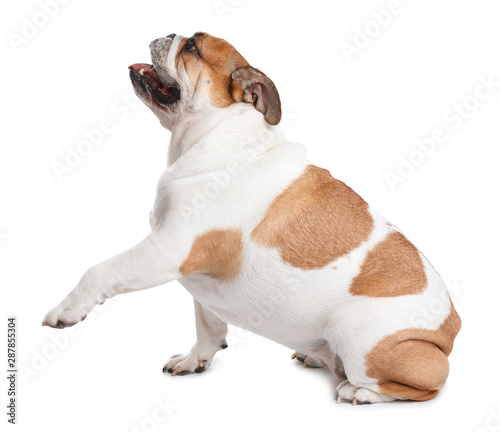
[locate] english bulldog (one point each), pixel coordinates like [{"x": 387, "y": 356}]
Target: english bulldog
[{"x": 266, "y": 241}]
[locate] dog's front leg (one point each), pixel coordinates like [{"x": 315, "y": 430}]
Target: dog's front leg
[
  {"x": 143, "y": 266},
  {"x": 211, "y": 335}
]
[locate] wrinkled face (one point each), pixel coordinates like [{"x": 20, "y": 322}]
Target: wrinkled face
[{"x": 200, "y": 74}]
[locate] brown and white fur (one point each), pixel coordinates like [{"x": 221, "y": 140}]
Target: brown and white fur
[{"x": 277, "y": 246}]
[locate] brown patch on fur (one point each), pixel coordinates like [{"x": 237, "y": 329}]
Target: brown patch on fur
[
  {"x": 412, "y": 364},
  {"x": 218, "y": 253},
  {"x": 316, "y": 220},
  {"x": 392, "y": 268},
  {"x": 214, "y": 63}
]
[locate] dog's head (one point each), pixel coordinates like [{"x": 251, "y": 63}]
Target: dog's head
[{"x": 200, "y": 74}]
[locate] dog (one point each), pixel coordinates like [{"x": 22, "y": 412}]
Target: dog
[{"x": 265, "y": 241}]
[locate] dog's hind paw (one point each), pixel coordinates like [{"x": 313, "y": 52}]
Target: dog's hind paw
[
  {"x": 346, "y": 392},
  {"x": 308, "y": 361}
]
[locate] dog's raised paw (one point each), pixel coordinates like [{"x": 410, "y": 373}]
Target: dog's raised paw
[{"x": 60, "y": 317}]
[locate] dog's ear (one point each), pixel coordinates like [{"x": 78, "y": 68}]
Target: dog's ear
[{"x": 252, "y": 86}]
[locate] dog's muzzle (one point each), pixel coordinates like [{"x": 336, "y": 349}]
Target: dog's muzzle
[{"x": 153, "y": 81}]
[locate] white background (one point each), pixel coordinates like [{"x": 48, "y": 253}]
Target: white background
[{"x": 356, "y": 118}]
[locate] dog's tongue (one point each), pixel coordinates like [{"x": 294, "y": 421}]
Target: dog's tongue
[{"x": 148, "y": 70}]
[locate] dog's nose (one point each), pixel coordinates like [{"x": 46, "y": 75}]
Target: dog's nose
[{"x": 170, "y": 36}]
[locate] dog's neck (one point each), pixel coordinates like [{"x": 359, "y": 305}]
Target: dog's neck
[{"x": 208, "y": 141}]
